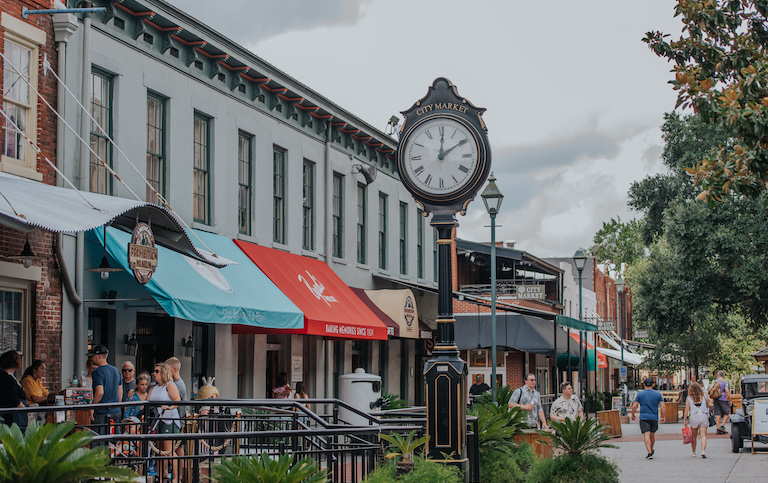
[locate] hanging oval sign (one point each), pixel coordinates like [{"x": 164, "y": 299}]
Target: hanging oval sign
[{"x": 142, "y": 254}]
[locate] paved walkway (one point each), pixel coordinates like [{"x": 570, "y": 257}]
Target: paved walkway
[{"x": 672, "y": 460}]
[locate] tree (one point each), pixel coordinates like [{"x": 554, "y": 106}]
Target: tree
[
  {"x": 620, "y": 242},
  {"x": 686, "y": 140},
  {"x": 721, "y": 72}
]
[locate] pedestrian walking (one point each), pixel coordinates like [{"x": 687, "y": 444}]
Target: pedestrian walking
[
  {"x": 697, "y": 407},
  {"x": 528, "y": 399},
  {"x": 648, "y": 400},
  {"x": 107, "y": 388},
  {"x": 720, "y": 392},
  {"x": 566, "y": 406}
]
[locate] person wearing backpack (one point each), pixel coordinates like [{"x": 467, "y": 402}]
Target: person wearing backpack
[
  {"x": 720, "y": 394},
  {"x": 697, "y": 408},
  {"x": 528, "y": 399}
]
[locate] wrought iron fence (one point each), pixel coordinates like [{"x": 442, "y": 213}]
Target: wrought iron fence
[{"x": 224, "y": 428}]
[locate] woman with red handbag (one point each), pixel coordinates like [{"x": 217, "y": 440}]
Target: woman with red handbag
[{"x": 697, "y": 408}]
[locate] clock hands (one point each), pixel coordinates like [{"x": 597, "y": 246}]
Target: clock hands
[
  {"x": 443, "y": 154},
  {"x": 442, "y": 138}
]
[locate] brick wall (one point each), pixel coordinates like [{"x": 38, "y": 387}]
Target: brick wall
[
  {"x": 45, "y": 316},
  {"x": 515, "y": 365}
]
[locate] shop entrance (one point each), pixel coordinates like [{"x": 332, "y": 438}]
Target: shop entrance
[{"x": 154, "y": 334}]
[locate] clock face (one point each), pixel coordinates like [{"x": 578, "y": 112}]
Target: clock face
[{"x": 440, "y": 156}]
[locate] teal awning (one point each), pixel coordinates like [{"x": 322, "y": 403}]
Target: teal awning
[
  {"x": 576, "y": 323},
  {"x": 189, "y": 289}
]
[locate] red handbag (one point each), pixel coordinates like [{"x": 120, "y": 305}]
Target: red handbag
[{"x": 687, "y": 436}]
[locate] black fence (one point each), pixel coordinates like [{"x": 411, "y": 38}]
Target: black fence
[{"x": 221, "y": 428}]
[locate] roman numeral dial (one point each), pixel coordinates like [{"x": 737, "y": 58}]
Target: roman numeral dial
[{"x": 440, "y": 156}]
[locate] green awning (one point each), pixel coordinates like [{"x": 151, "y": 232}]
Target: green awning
[{"x": 576, "y": 323}]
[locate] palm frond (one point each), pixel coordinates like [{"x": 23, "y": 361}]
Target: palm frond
[{"x": 577, "y": 436}]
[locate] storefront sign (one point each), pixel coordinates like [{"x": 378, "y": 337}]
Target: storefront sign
[
  {"x": 530, "y": 292},
  {"x": 641, "y": 334},
  {"x": 297, "y": 368},
  {"x": 409, "y": 312},
  {"x": 607, "y": 325},
  {"x": 142, "y": 254}
]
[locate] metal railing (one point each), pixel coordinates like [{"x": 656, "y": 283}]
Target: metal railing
[{"x": 221, "y": 428}]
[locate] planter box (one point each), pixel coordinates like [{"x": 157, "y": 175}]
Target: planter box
[
  {"x": 671, "y": 412},
  {"x": 536, "y": 441},
  {"x": 612, "y": 418}
]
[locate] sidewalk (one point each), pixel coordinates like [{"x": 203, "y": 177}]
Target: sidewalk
[{"x": 672, "y": 462}]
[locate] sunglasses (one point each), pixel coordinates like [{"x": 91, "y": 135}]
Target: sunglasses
[
  {"x": 127, "y": 370},
  {"x": 156, "y": 371}
]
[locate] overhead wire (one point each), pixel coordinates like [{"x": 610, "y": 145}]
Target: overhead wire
[{"x": 46, "y": 68}]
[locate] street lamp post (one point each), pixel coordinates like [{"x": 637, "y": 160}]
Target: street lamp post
[
  {"x": 580, "y": 260},
  {"x": 620, "y": 290},
  {"x": 492, "y": 198}
]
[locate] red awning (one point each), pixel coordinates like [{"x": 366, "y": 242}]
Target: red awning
[
  {"x": 330, "y": 307},
  {"x": 602, "y": 360},
  {"x": 393, "y": 328}
]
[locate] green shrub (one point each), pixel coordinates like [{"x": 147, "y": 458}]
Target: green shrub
[
  {"x": 384, "y": 473},
  {"x": 425, "y": 471},
  {"x": 263, "y": 469},
  {"x": 577, "y": 436},
  {"x": 587, "y": 468},
  {"x": 508, "y": 465},
  {"x": 499, "y": 467},
  {"x": 524, "y": 457},
  {"x": 49, "y": 453}
]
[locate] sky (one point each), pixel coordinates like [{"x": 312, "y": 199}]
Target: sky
[{"x": 574, "y": 98}]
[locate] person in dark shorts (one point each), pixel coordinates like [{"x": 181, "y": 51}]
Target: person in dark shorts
[
  {"x": 649, "y": 400},
  {"x": 722, "y": 403}
]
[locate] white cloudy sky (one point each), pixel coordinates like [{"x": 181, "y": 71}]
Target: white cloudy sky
[{"x": 574, "y": 97}]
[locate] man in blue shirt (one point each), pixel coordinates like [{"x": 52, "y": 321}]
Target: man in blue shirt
[
  {"x": 648, "y": 399},
  {"x": 107, "y": 388}
]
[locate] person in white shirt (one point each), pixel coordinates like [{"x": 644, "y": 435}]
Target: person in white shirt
[{"x": 566, "y": 406}]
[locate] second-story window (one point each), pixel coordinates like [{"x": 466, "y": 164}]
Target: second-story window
[
  {"x": 403, "y": 236},
  {"x": 155, "y": 148},
  {"x": 338, "y": 215},
  {"x": 19, "y": 97},
  {"x": 244, "y": 170},
  {"x": 201, "y": 206},
  {"x": 361, "y": 225},
  {"x": 308, "y": 200},
  {"x": 278, "y": 195},
  {"x": 382, "y": 231},
  {"x": 101, "y": 127},
  {"x": 419, "y": 243}
]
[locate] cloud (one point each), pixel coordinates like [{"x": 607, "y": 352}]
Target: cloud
[
  {"x": 558, "y": 192},
  {"x": 248, "y": 21}
]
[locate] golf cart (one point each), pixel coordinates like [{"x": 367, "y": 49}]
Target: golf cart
[{"x": 753, "y": 387}]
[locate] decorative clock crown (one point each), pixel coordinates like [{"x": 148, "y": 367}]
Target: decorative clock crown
[{"x": 442, "y": 96}]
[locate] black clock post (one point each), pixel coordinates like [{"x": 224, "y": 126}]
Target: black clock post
[{"x": 443, "y": 158}]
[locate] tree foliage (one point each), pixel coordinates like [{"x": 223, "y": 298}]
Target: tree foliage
[
  {"x": 686, "y": 140},
  {"x": 721, "y": 72},
  {"x": 620, "y": 242},
  {"x": 705, "y": 264}
]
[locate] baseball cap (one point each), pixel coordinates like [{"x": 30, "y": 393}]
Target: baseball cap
[
  {"x": 648, "y": 381},
  {"x": 131, "y": 420},
  {"x": 98, "y": 349}
]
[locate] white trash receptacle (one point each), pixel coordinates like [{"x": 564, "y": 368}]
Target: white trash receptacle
[{"x": 359, "y": 390}]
